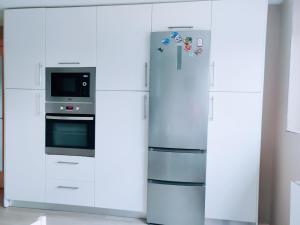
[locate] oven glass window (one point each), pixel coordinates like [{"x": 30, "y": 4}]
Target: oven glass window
[
  {"x": 70, "y": 134},
  {"x": 70, "y": 85}
]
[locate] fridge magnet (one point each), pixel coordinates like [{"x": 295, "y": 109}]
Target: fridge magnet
[
  {"x": 174, "y": 35},
  {"x": 187, "y": 47},
  {"x": 200, "y": 42},
  {"x": 188, "y": 40},
  {"x": 198, "y": 51},
  {"x": 161, "y": 50},
  {"x": 191, "y": 54},
  {"x": 166, "y": 41},
  {"x": 178, "y": 39}
]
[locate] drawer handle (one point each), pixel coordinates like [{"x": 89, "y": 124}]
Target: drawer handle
[
  {"x": 68, "y": 163},
  {"x": 181, "y": 27},
  {"x": 69, "y": 63},
  {"x": 67, "y": 187}
]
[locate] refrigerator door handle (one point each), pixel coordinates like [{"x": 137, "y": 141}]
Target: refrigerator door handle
[
  {"x": 181, "y": 27},
  {"x": 211, "y": 116}
]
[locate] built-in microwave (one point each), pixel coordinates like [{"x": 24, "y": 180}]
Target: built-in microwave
[
  {"x": 70, "y": 84},
  {"x": 69, "y": 134}
]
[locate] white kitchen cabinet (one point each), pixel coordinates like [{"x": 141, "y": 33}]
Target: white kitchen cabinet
[
  {"x": 25, "y": 145},
  {"x": 238, "y": 45},
  {"x": 24, "y": 36},
  {"x": 71, "y": 37},
  {"x": 233, "y": 156},
  {"x": 121, "y": 151},
  {"x": 123, "y": 47},
  {"x": 184, "y": 15}
]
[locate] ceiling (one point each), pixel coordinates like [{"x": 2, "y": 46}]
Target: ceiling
[{"x": 48, "y": 3}]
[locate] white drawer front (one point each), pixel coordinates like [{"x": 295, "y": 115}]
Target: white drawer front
[
  {"x": 70, "y": 192},
  {"x": 70, "y": 168}
]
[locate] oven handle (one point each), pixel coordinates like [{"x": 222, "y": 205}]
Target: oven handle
[{"x": 69, "y": 118}]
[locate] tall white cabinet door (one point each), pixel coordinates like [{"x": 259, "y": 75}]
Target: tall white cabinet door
[
  {"x": 25, "y": 145},
  {"x": 233, "y": 156},
  {"x": 238, "y": 45},
  {"x": 121, "y": 151},
  {"x": 123, "y": 47},
  {"x": 71, "y": 37},
  {"x": 191, "y": 15},
  {"x": 24, "y": 36}
]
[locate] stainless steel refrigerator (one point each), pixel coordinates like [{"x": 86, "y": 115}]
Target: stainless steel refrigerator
[{"x": 179, "y": 82}]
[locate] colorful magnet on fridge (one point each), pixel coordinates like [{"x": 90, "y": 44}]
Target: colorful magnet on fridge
[
  {"x": 166, "y": 41},
  {"x": 174, "y": 34},
  {"x": 200, "y": 42},
  {"x": 178, "y": 38},
  {"x": 191, "y": 54},
  {"x": 187, "y": 47},
  {"x": 188, "y": 40},
  {"x": 198, "y": 51},
  {"x": 161, "y": 50}
]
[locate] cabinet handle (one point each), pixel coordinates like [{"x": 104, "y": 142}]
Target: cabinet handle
[
  {"x": 40, "y": 74},
  {"x": 69, "y": 63},
  {"x": 68, "y": 163},
  {"x": 212, "y": 75},
  {"x": 145, "y": 107},
  {"x": 146, "y": 74},
  {"x": 181, "y": 27},
  {"x": 38, "y": 104},
  {"x": 67, "y": 187},
  {"x": 211, "y": 116}
]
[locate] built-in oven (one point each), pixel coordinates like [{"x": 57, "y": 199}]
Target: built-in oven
[
  {"x": 70, "y": 85},
  {"x": 70, "y": 134}
]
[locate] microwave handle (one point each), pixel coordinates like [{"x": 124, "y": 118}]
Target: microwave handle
[{"x": 69, "y": 118}]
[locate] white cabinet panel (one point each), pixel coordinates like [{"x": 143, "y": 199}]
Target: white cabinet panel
[
  {"x": 233, "y": 156},
  {"x": 25, "y": 145},
  {"x": 24, "y": 34},
  {"x": 295, "y": 203},
  {"x": 70, "y": 192},
  {"x": 71, "y": 37},
  {"x": 123, "y": 47},
  {"x": 238, "y": 45},
  {"x": 196, "y": 15},
  {"x": 70, "y": 167},
  {"x": 121, "y": 151}
]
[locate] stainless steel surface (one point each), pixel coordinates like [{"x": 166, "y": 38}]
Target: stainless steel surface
[
  {"x": 175, "y": 205},
  {"x": 91, "y": 99},
  {"x": 70, "y": 151},
  {"x": 60, "y": 107},
  {"x": 66, "y": 187},
  {"x": 68, "y": 163},
  {"x": 69, "y": 63},
  {"x": 181, "y": 27},
  {"x": 177, "y": 165},
  {"x": 146, "y": 74},
  {"x": 83, "y": 118},
  {"x": 179, "y": 93}
]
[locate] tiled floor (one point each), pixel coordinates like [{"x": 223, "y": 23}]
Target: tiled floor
[{"x": 21, "y": 216}]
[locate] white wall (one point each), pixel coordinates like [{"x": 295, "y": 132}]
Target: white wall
[
  {"x": 287, "y": 149},
  {"x": 269, "y": 113}
]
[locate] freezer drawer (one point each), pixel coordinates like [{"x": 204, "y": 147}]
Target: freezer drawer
[
  {"x": 178, "y": 166},
  {"x": 170, "y": 204}
]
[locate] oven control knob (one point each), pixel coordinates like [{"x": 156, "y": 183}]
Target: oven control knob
[
  {"x": 77, "y": 108},
  {"x": 84, "y": 84},
  {"x": 61, "y": 108}
]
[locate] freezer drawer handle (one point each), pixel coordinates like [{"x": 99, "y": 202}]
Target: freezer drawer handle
[
  {"x": 176, "y": 183},
  {"x": 68, "y": 163},
  {"x": 69, "y": 118},
  {"x": 69, "y": 63},
  {"x": 145, "y": 107},
  {"x": 181, "y": 27},
  {"x": 67, "y": 187}
]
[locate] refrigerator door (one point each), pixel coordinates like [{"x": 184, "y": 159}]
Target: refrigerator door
[{"x": 179, "y": 83}]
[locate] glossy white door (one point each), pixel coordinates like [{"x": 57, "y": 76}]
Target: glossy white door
[
  {"x": 238, "y": 45},
  {"x": 121, "y": 150},
  {"x": 123, "y": 47},
  {"x": 24, "y": 37},
  {"x": 25, "y": 145},
  {"x": 71, "y": 37},
  {"x": 180, "y": 16},
  {"x": 233, "y": 156}
]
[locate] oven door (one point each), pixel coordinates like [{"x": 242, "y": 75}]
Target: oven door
[{"x": 71, "y": 135}]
